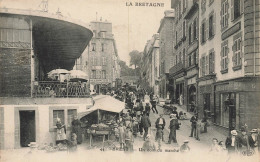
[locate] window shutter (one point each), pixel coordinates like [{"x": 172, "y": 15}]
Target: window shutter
[
  {"x": 214, "y": 24},
  {"x": 232, "y": 10},
  {"x": 221, "y": 56},
  {"x": 200, "y": 67},
  {"x": 207, "y": 29},
  {"x": 213, "y": 62},
  {"x": 241, "y": 6},
  {"x": 207, "y": 65},
  {"x": 197, "y": 31}
]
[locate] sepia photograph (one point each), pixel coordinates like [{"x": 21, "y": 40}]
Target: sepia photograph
[{"x": 130, "y": 80}]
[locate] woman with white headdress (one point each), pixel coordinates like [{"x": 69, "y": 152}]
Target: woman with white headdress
[{"x": 61, "y": 132}]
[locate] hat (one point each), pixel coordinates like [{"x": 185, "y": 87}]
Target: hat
[
  {"x": 253, "y": 131},
  {"x": 234, "y": 132},
  {"x": 186, "y": 141}
]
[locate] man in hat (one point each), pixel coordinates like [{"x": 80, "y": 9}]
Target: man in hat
[
  {"x": 185, "y": 147},
  {"x": 243, "y": 139},
  {"x": 146, "y": 123},
  {"x": 253, "y": 139},
  {"x": 193, "y": 121},
  {"x": 173, "y": 126},
  {"x": 160, "y": 124},
  {"x": 147, "y": 109},
  {"x": 232, "y": 142}
]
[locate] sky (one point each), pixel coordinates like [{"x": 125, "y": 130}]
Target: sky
[{"x": 132, "y": 25}]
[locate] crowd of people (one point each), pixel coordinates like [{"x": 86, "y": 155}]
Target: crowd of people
[{"x": 136, "y": 123}]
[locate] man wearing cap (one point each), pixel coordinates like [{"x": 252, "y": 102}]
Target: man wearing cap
[
  {"x": 185, "y": 147},
  {"x": 232, "y": 142},
  {"x": 173, "y": 126},
  {"x": 243, "y": 140},
  {"x": 160, "y": 124}
]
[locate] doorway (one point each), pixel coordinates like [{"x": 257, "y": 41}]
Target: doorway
[{"x": 27, "y": 127}]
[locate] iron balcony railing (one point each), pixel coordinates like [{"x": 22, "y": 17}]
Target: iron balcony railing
[{"x": 60, "y": 89}]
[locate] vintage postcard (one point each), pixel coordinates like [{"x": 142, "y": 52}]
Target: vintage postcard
[{"x": 130, "y": 80}]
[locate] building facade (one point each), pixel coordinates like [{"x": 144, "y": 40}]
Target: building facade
[
  {"x": 209, "y": 46},
  {"x": 32, "y": 45},
  {"x": 166, "y": 52},
  {"x": 237, "y": 65},
  {"x": 177, "y": 71},
  {"x": 192, "y": 53},
  {"x": 100, "y": 60}
]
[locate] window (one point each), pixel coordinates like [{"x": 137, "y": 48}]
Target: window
[
  {"x": 93, "y": 46},
  {"x": 180, "y": 57},
  {"x": 93, "y": 74},
  {"x": 94, "y": 61},
  {"x": 211, "y": 32},
  {"x": 194, "y": 57},
  {"x": 195, "y": 29},
  {"x": 189, "y": 60},
  {"x": 104, "y": 61},
  {"x": 190, "y": 35},
  {"x": 224, "y": 58},
  {"x": 71, "y": 114},
  {"x": 58, "y": 114},
  {"x": 211, "y": 62},
  {"x": 103, "y": 74},
  {"x": 102, "y": 47},
  {"x": 236, "y": 9},
  {"x": 203, "y": 32},
  {"x": 177, "y": 59},
  {"x": 237, "y": 52},
  {"x": 184, "y": 5},
  {"x": 183, "y": 57},
  {"x": 86, "y": 63},
  {"x": 179, "y": 9},
  {"x": 224, "y": 14}
]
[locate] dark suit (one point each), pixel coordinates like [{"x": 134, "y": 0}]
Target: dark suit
[
  {"x": 232, "y": 149},
  {"x": 159, "y": 127},
  {"x": 146, "y": 123},
  {"x": 173, "y": 126},
  {"x": 193, "y": 121}
]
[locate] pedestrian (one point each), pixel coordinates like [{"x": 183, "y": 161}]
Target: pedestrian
[
  {"x": 76, "y": 128},
  {"x": 215, "y": 148},
  {"x": 204, "y": 125},
  {"x": 61, "y": 132},
  {"x": 232, "y": 142},
  {"x": 160, "y": 124},
  {"x": 185, "y": 147},
  {"x": 146, "y": 123},
  {"x": 148, "y": 144},
  {"x": 121, "y": 130},
  {"x": 135, "y": 126},
  {"x": 147, "y": 109},
  {"x": 129, "y": 140},
  {"x": 146, "y": 98},
  {"x": 181, "y": 100},
  {"x": 193, "y": 121},
  {"x": 72, "y": 144},
  {"x": 198, "y": 130},
  {"x": 174, "y": 108},
  {"x": 173, "y": 127},
  {"x": 253, "y": 138},
  {"x": 153, "y": 103},
  {"x": 243, "y": 140}
]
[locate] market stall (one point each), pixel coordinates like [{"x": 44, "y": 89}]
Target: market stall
[{"x": 101, "y": 118}]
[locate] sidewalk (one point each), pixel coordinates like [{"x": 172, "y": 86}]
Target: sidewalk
[{"x": 185, "y": 128}]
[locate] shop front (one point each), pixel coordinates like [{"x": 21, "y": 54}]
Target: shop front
[{"x": 237, "y": 103}]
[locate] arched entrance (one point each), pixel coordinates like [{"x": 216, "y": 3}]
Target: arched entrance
[{"x": 192, "y": 95}]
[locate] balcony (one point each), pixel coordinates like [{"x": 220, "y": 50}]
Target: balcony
[
  {"x": 60, "y": 89},
  {"x": 178, "y": 68}
]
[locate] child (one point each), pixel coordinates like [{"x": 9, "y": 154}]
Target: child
[
  {"x": 121, "y": 130},
  {"x": 72, "y": 145},
  {"x": 129, "y": 140}
]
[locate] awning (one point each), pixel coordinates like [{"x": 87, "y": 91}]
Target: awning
[{"x": 108, "y": 104}]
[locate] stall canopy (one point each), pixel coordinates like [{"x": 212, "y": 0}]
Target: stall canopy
[{"x": 108, "y": 103}]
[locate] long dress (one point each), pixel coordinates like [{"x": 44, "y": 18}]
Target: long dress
[
  {"x": 76, "y": 128},
  {"x": 60, "y": 136}
]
